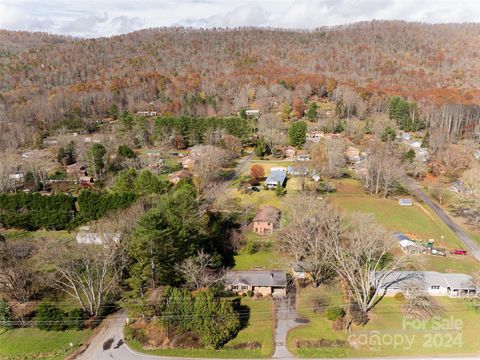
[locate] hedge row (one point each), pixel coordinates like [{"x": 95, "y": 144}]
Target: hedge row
[{"x": 32, "y": 211}]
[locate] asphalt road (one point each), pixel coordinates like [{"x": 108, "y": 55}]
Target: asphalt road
[
  {"x": 472, "y": 246},
  {"x": 109, "y": 345}
]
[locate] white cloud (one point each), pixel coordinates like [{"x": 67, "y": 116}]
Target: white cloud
[{"x": 91, "y": 18}]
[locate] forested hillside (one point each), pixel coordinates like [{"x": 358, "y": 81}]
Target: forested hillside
[{"x": 217, "y": 72}]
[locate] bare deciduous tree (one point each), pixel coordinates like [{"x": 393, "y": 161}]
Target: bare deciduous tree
[
  {"x": 311, "y": 225},
  {"x": 209, "y": 162},
  {"x": 270, "y": 127},
  {"x": 20, "y": 278},
  {"x": 199, "y": 271},
  {"x": 418, "y": 302},
  {"x": 89, "y": 272},
  {"x": 361, "y": 259},
  {"x": 383, "y": 170}
]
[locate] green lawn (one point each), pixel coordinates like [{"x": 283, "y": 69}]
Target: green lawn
[
  {"x": 261, "y": 259},
  {"x": 387, "y": 321},
  {"x": 39, "y": 234},
  {"x": 259, "y": 329},
  {"x": 31, "y": 343},
  {"x": 319, "y": 327},
  {"x": 418, "y": 220}
]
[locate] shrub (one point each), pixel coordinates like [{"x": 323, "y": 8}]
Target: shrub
[
  {"x": 125, "y": 151},
  {"x": 49, "y": 317},
  {"x": 280, "y": 190},
  {"x": 75, "y": 319},
  {"x": 252, "y": 247},
  {"x": 334, "y": 313},
  {"x": 249, "y": 293},
  {"x": 6, "y": 316},
  {"x": 399, "y": 296}
]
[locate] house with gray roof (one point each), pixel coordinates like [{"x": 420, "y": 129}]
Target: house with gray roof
[
  {"x": 260, "y": 282},
  {"x": 433, "y": 283},
  {"x": 278, "y": 175}
]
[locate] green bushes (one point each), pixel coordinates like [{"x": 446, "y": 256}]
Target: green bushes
[
  {"x": 93, "y": 205},
  {"x": 6, "y": 316},
  {"x": 142, "y": 182},
  {"x": 334, "y": 313},
  {"x": 50, "y": 318},
  {"x": 33, "y": 211},
  {"x": 213, "y": 318},
  {"x": 252, "y": 247}
]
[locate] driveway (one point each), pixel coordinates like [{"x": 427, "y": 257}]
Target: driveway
[
  {"x": 468, "y": 242},
  {"x": 286, "y": 316}
]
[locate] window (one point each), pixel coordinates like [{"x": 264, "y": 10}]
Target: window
[
  {"x": 435, "y": 287},
  {"x": 234, "y": 287},
  {"x": 244, "y": 287}
]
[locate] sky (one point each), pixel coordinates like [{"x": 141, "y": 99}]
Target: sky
[{"x": 95, "y": 18}]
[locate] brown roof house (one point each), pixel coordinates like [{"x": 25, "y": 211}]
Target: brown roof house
[
  {"x": 260, "y": 282},
  {"x": 290, "y": 151},
  {"x": 175, "y": 177},
  {"x": 188, "y": 162},
  {"x": 266, "y": 220}
]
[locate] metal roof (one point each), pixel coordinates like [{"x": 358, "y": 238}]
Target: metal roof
[{"x": 276, "y": 177}]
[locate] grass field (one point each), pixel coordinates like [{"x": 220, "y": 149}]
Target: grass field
[
  {"x": 30, "y": 343},
  {"x": 259, "y": 329},
  {"x": 35, "y": 235},
  {"x": 458, "y": 336},
  {"x": 418, "y": 220}
]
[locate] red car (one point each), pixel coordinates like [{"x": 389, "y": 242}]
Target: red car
[{"x": 458, "y": 252}]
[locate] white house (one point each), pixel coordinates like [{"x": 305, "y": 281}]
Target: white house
[
  {"x": 432, "y": 282},
  {"x": 253, "y": 113},
  {"x": 85, "y": 237}
]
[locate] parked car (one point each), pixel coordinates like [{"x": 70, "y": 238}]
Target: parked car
[
  {"x": 458, "y": 252},
  {"x": 256, "y": 189}
]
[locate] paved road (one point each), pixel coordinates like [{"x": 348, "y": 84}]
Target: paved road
[
  {"x": 286, "y": 314},
  {"x": 109, "y": 345},
  {"x": 470, "y": 244}
]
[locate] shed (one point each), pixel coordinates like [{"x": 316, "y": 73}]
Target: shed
[{"x": 405, "y": 202}]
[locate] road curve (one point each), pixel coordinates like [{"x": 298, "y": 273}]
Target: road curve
[
  {"x": 468, "y": 242},
  {"x": 108, "y": 344}
]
